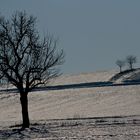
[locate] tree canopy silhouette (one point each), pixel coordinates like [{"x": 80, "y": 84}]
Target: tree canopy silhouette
[
  {"x": 120, "y": 63},
  {"x": 26, "y": 59},
  {"x": 131, "y": 60}
]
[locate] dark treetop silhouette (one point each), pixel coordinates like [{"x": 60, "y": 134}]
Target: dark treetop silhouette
[
  {"x": 120, "y": 63},
  {"x": 131, "y": 60},
  {"x": 26, "y": 60}
]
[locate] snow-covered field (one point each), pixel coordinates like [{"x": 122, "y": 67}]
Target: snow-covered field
[{"x": 75, "y": 103}]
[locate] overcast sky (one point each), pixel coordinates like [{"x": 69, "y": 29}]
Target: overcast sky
[{"x": 93, "y": 33}]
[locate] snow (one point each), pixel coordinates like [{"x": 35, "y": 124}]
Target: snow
[{"x": 74, "y": 102}]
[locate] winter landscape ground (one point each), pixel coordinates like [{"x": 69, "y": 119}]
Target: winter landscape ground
[{"x": 88, "y": 107}]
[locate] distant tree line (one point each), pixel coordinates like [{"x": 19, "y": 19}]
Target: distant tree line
[{"x": 130, "y": 60}]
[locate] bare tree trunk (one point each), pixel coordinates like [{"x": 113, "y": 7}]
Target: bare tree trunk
[
  {"x": 131, "y": 67},
  {"x": 120, "y": 69},
  {"x": 24, "y": 106}
]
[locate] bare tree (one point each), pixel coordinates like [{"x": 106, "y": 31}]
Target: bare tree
[
  {"x": 120, "y": 63},
  {"x": 131, "y": 60},
  {"x": 26, "y": 60}
]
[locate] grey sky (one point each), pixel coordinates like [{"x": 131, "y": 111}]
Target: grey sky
[{"x": 93, "y": 33}]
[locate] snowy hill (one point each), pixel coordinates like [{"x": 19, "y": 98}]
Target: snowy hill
[
  {"x": 74, "y": 102},
  {"x": 128, "y": 76}
]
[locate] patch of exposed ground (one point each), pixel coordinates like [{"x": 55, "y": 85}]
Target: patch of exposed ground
[{"x": 103, "y": 128}]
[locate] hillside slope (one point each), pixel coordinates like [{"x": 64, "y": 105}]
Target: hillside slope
[
  {"x": 128, "y": 76},
  {"x": 73, "y": 103}
]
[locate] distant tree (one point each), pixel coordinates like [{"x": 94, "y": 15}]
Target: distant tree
[
  {"x": 26, "y": 60},
  {"x": 131, "y": 60},
  {"x": 120, "y": 64}
]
